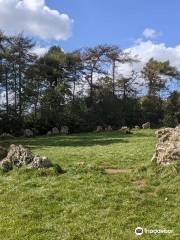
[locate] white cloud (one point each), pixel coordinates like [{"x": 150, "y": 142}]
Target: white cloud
[
  {"x": 151, "y": 33},
  {"x": 35, "y": 18},
  {"x": 146, "y": 50},
  {"x": 40, "y": 51}
]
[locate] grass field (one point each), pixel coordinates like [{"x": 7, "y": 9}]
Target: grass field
[{"x": 86, "y": 203}]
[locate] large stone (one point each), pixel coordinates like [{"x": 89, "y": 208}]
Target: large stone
[
  {"x": 55, "y": 131},
  {"x": 20, "y": 156},
  {"x": 99, "y": 129},
  {"x": 146, "y": 125},
  {"x": 28, "y": 133},
  {"x": 108, "y": 128},
  {"x": 6, "y": 135},
  {"x": 137, "y": 127},
  {"x": 3, "y": 153},
  {"x": 168, "y": 146},
  {"x": 6, "y": 165},
  {"x": 64, "y": 130},
  {"x": 49, "y": 133},
  {"x": 40, "y": 162},
  {"x": 125, "y": 130}
]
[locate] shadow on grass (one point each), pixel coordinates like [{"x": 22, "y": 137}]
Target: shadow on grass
[{"x": 81, "y": 140}]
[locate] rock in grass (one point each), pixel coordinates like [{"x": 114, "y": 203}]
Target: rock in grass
[
  {"x": 6, "y": 165},
  {"x": 99, "y": 129},
  {"x": 28, "y": 133},
  {"x": 3, "y": 153},
  {"x": 125, "y": 130},
  {"x": 64, "y": 130},
  {"x": 108, "y": 128},
  {"x": 55, "y": 131},
  {"x": 6, "y": 135},
  {"x": 146, "y": 125},
  {"x": 168, "y": 146},
  {"x": 40, "y": 162},
  {"x": 20, "y": 156}
]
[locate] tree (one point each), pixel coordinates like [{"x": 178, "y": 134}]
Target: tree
[
  {"x": 116, "y": 55},
  {"x": 21, "y": 61},
  {"x": 156, "y": 75}
]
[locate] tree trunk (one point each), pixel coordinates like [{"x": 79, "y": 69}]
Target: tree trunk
[
  {"x": 7, "y": 96},
  {"x": 20, "y": 92},
  {"x": 113, "y": 77}
]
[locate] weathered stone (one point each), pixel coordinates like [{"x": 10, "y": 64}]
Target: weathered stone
[
  {"x": 6, "y": 135},
  {"x": 6, "y": 165},
  {"x": 3, "y": 153},
  {"x": 55, "y": 131},
  {"x": 108, "y": 128},
  {"x": 168, "y": 146},
  {"x": 28, "y": 133},
  {"x": 137, "y": 127},
  {"x": 64, "y": 130},
  {"x": 146, "y": 125},
  {"x": 99, "y": 129},
  {"x": 125, "y": 130},
  {"x": 49, "y": 133},
  {"x": 40, "y": 162},
  {"x": 19, "y": 156}
]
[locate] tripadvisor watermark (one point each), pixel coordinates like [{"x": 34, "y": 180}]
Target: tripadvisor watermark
[{"x": 139, "y": 231}]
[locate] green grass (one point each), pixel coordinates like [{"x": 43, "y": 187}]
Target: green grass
[{"x": 85, "y": 203}]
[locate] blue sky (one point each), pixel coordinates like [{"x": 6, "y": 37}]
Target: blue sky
[
  {"x": 146, "y": 28},
  {"x": 119, "y": 22}
]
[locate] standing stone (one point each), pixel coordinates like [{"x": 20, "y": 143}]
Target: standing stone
[
  {"x": 28, "y": 133},
  {"x": 146, "y": 125},
  {"x": 49, "y": 133},
  {"x": 40, "y": 162},
  {"x": 64, "y": 129},
  {"x": 108, "y": 128},
  {"x": 55, "y": 131},
  {"x": 168, "y": 146},
  {"x": 20, "y": 156},
  {"x": 99, "y": 129},
  {"x": 125, "y": 130},
  {"x": 6, "y": 135}
]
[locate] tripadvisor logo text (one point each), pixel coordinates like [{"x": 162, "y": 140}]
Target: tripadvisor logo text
[{"x": 139, "y": 231}]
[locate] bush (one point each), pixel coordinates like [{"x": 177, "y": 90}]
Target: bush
[{"x": 170, "y": 121}]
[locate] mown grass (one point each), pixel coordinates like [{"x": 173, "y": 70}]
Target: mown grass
[{"x": 85, "y": 203}]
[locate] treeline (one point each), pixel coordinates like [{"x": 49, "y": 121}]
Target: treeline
[{"x": 81, "y": 89}]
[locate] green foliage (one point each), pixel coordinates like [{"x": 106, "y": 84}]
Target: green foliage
[{"x": 79, "y": 89}]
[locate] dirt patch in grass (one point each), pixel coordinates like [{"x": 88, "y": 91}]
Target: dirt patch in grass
[
  {"x": 111, "y": 171},
  {"x": 141, "y": 183}
]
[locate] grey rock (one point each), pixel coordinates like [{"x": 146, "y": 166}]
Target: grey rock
[
  {"x": 108, "y": 128},
  {"x": 6, "y": 165},
  {"x": 49, "y": 133},
  {"x": 168, "y": 146},
  {"x": 6, "y": 135},
  {"x": 146, "y": 125},
  {"x": 20, "y": 156},
  {"x": 40, "y": 162},
  {"x": 99, "y": 129},
  {"x": 55, "y": 131},
  {"x": 28, "y": 133},
  {"x": 64, "y": 130}
]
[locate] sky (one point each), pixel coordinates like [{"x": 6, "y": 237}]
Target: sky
[{"x": 145, "y": 28}]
